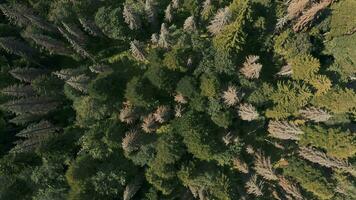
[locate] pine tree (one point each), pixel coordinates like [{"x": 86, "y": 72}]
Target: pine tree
[
  {"x": 90, "y": 27},
  {"x": 251, "y": 68},
  {"x": 290, "y": 188},
  {"x": 179, "y": 98},
  {"x": 34, "y": 135},
  {"x": 284, "y": 130},
  {"x": 25, "y": 118},
  {"x": 26, "y": 74},
  {"x": 207, "y": 9},
  {"x": 296, "y": 7},
  {"x": 77, "y": 46},
  {"x": 240, "y": 165},
  {"x": 131, "y": 17},
  {"x": 162, "y": 114},
  {"x": 164, "y": 40},
  {"x": 230, "y": 96},
  {"x": 18, "y": 90},
  {"x": 263, "y": 166},
  {"x": 17, "y": 47},
  {"x": 336, "y": 142},
  {"x": 53, "y": 46},
  {"x": 73, "y": 30},
  {"x": 315, "y": 114},
  {"x": 190, "y": 25},
  {"x": 254, "y": 187},
  {"x": 32, "y": 105},
  {"x": 66, "y": 74},
  {"x": 309, "y": 15},
  {"x": 14, "y": 15},
  {"x": 286, "y": 70},
  {"x": 178, "y": 111},
  {"x": 151, "y": 11},
  {"x": 175, "y": 4},
  {"x": 168, "y": 13},
  {"x": 221, "y": 19},
  {"x": 100, "y": 68},
  {"x": 128, "y": 114},
  {"x": 40, "y": 129},
  {"x": 149, "y": 124},
  {"x": 79, "y": 82},
  {"x": 132, "y": 188},
  {"x": 130, "y": 141},
  {"x": 322, "y": 159},
  {"x": 154, "y": 38},
  {"x": 137, "y": 51},
  {"x": 248, "y": 112}
]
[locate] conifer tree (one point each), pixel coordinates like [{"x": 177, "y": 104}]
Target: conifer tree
[
  {"x": 73, "y": 30},
  {"x": 18, "y": 90},
  {"x": 24, "y": 119},
  {"x": 66, "y": 74},
  {"x": 254, "y": 187},
  {"x": 132, "y": 188},
  {"x": 263, "y": 166},
  {"x": 151, "y": 11},
  {"x": 32, "y": 105},
  {"x": 79, "y": 82},
  {"x": 77, "y": 46},
  {"x": 90, "y": 27},
  {"x": 179, "y": 98},
  {"x": 286, "y": 70},
  {"x": 100, "y": 68},
  {"x": 230, "y": 96},
  {"x": 162, "y": 114},
  {"x": 164, "y": 38},
  {"x": 26, "y": 74},
  {"x": 128, "y": 114},
  {"x": 207, "y": 9},
  {"x": 290, "y": 188},
  {"x": 34, "y": 134},
  {"x": 240, "y": 165},
  {"x": 251, "y": 68},
  {"x": 53, "y": 46},
  {"x": 137, "y": 51},
  {"x": 168, "y": 13},
  {"x": 248, "y": 112},
  {"x": 284, "y": 130},
  {"x": 131, "y": 17},
  {"x": 130, "y": 141},
  {"x": 17, "y": 47},
  {"x": 322, "y": 159},
  {"x": 315, "y": 114},
  {"x": 221, "y": 19},
  {"x": 189, "y": 24},
  {"x": 149, "y": 124},
  {"x": 309, "y": 15}
]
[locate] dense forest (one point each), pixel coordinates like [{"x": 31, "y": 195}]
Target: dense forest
[{"x": 178, "y": 99}]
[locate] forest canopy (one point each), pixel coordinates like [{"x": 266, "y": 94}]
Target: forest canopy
[{"x": 178, "y": 99}]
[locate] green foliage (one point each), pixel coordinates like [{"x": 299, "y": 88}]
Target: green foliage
[
  {"x": 341, "y": 20},
  {"x": 336, "y": 143},
  {"x": 289, "y": 44},
  {"x": 89, "y": 111},
  {"x": 139, "y": 92},
  {"x": 209, "y": 85},
  {"x": 76, "y": 128},
  {"x": 288, "y": 98},
  {"x": 203, "y": 176},
  {"x": 309, "y": 178},
  {"x": 336, "y": 100},
  {"x": 232, "y": 37},
  {"x": 111, "y": 22}
]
